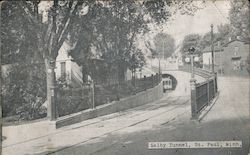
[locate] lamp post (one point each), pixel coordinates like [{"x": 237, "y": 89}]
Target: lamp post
[
  {"x": 159, "y": 65},
  {"x": 192, "y": 58},
  {"x": 51, "y": 96}
]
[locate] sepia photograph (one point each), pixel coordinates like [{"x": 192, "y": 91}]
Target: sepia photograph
[{"x": 125, "y": 77}]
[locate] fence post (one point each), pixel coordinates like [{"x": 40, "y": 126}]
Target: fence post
[
  {"x": 215, "y": 84},
  {"x": 152, "y": 76},
  {"x": 208, "y": 93},
  {"x": 54, "y": 113},
  {"x": 93, "y": 94},
  {"x": 157, "y": 76},
  {"x": 193, "y": 99},
  {"x": 144, "y": 81}
]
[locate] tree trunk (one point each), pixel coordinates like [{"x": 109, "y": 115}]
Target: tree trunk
[
  {"x": 51, "y": 93},
  {"x": 121, "y": 72},
  {"x": 85, "y": 74}
]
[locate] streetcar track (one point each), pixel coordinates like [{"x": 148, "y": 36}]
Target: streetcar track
[
  {"x": 155, "y": 106},
  {"x": 78, "y": 144}
]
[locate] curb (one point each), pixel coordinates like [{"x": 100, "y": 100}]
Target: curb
[{"x": 208, "y": 108}]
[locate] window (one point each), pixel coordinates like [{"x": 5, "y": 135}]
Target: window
[
  {"x": 236, "y": 50},
  {"x": 63, "y": 69}
]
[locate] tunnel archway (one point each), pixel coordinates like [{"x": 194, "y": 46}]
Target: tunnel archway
[{"x": 174, "y": 80}]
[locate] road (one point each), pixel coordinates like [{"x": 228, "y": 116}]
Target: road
[
  {"x": 168, "y": 119},
  {"x": 228, "y": 120}
]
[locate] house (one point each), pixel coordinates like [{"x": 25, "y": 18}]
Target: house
[
  {"x": 73, "y": 73},
  {"x": 229, "y": 59},
  {"x": 68, "y": 69},
  {"x": 207, "y": 55}
]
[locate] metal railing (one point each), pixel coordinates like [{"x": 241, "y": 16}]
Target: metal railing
[
  {"x": 198, "y": 71},
  {"x": 72, "y": 100},
  {"x": 202, "y": 94},
  {"x": 108, "y": 93}
]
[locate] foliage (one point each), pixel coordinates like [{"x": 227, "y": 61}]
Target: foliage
[
  {"x": 72, "y": 100},
  {"x": 248, "y": 63},
  {"x": 62, "y": 82},
  {"x": 164, "y": 45},
  {"x": 24, "y": 86},
  {"x": 239, "y": 18},
  {"x": 110, "y": 27},
  {"x": 23, "y": 91},
  {"x": 239, "y": 26},
  {"x": 191, "y": 40},
  {"x": 224, "y": 32},
  {"x": 136, "y": 61},
  {"x": 17, "y": 39},
  {"x": 113, "y": 26}
]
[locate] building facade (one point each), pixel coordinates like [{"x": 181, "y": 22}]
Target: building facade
[
  {"x": 229, "y": 59},
  {"x": 68, "y": 69}
]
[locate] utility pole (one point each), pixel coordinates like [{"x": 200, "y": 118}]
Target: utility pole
[
  {"x": 163, "y": 50},
  {"x": 221, "y": 49},
  {"x": 51, "y": 81},
  {"x": 194, "y": 115},
  {"x": 212, "y": 47},
  {"x": 159, "y": 65}
]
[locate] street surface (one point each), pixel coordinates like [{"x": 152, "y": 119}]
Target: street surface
[{"x": 168, "y": 119}]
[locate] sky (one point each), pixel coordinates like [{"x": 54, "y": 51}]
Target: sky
[{"x": 215, "y": 13}]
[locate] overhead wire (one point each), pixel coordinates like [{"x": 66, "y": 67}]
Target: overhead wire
[{"x": 218, "y": 10}]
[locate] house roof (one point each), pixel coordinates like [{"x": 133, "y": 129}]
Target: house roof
[
  {"x": 208, "y": 49},
  {"x": 218, "y": 49},
  {"x": 234, "y": 41}
]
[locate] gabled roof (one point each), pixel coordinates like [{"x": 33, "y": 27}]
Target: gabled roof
[
  {"x": 245, "y": 42},
  {"x": 218, "y": 49},
  {"x": 208, "y": 49}
]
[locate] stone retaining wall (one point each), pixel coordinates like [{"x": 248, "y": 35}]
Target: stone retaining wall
[{"x": 141, "y": 98}]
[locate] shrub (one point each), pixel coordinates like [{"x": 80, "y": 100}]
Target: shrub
[{"x": 23, "y": 91}]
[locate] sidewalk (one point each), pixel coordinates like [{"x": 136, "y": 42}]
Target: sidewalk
[
  {"x": 165, "y": 120},
  {"x": 41, "y": 138}
]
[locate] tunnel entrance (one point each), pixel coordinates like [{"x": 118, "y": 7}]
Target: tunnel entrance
[{"x": 169, "y": 82}]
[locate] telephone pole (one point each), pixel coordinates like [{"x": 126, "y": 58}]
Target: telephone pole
[
  {"x": 212, "y": 46},
  {"x": 51, "y": 77}
]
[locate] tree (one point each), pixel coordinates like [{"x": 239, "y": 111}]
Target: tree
[
  {"x": 191, "y": 40},
  {"x": 18, "y": 44},
  {"x": 23, "y": 90},
  {"x": 248, "y": 63},
  {"x": 113, "y": 35},
  {"x": 122, "y": 21},
  {"x": 49, "y": 37},
  {"x": 224, "y": 32},
  {"x": 164, "y": 45},
  {"x": 239, "y": 18},
  {"x": 136, "y": 61}
]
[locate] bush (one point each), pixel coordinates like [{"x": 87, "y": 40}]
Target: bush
[
  {"x": 23, "y": 91},
  {"x": 248, "y": 63},
  {"x": 72, "y": 100}
]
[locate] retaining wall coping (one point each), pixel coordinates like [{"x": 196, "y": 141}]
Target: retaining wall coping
[{"x": 113, "y": 106}]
